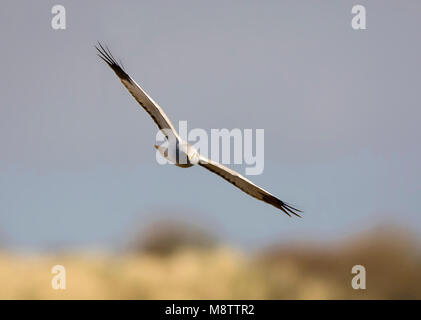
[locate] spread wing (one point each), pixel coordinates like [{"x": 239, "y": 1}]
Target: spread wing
[
  {"x": 151, "y": 107},
  {"x": 246, "y": 185}
]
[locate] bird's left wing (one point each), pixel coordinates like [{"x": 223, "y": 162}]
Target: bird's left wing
[
  {"x": 246, "y": 185},
  {"x": 151, "y": 107}
]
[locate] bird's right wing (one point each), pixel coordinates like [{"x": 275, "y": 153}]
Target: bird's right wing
[
  {"x": 151, "y": 107},
  {"x": 246, "y": 185}
]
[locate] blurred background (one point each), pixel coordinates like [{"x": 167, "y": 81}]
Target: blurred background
[{"x": 80, "y": 185}]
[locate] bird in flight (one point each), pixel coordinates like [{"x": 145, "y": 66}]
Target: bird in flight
[{"x": 179, "y": 152}]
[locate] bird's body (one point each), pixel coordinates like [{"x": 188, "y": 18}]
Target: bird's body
[{"x": 181, "y": 153}]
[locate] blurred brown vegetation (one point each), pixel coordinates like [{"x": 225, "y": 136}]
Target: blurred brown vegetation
[
  {"x": 174, "y": 262},
  {"x": 165, "y": 237}
]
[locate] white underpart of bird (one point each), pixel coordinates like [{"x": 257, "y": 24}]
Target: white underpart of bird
[{"x": 187, "y": 155}]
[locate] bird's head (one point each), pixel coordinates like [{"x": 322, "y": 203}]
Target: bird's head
[{"x": 162, "y": 150}]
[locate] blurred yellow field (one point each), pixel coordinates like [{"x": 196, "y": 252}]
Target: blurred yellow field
[{"x": 295, "y": 272}]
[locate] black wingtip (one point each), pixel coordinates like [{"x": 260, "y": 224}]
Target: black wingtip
[
  {"x": 284, "y": 207},
  {"x": 105, "y": 54},
  {"x": 291, "y": 209}
]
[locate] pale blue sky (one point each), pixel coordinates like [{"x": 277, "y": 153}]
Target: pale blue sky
[{"x": 340, "y": 109}]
